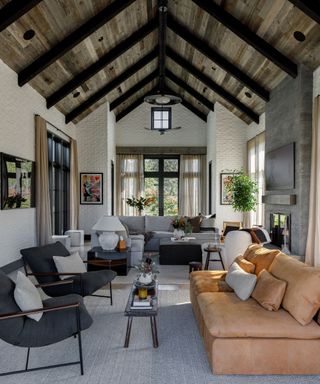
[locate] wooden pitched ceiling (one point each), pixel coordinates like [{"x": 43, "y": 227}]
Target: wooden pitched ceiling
[{"x": 85, "y": 53}]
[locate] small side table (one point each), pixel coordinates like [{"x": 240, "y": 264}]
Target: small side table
[
  {"x": 195, "y": 266},
  {"x": 116, "y": 260},
  {"x": 213, "y": 250}
]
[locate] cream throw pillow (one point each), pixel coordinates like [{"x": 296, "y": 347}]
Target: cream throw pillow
[
  {"x": 242, "y": 282},
  {"x": 269, "y": 291},
  {"x": 72, "y": 263},
  {"x": 27, "y": 296}
]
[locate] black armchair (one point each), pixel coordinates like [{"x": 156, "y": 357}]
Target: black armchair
[
  {"x": 40, "y": 261},
  {"x": 62, "y": 318}
]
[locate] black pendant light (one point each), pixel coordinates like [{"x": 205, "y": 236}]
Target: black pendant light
[{"x": 161, "y": 98}]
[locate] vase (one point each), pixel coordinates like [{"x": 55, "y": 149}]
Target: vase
[
  {"x": 145, "y": 278},
  {"x": 178, "y": 233},
  {"x": 108, "y": 240}
]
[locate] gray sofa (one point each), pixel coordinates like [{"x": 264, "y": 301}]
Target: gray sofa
[{"x": 145, "y": 233}]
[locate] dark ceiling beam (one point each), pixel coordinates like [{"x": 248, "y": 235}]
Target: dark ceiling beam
[
  {"x": 71, "y": 40},
  {"x": 242, "y": 31},
  {"x": 137, "y": 87},
  {"x": 93, "y": 69},
  {"x": 188, "y": 105},
  {"x": 211, "y": 54},
  {"x": 112, "y": 85},
  {"x": 309, "y": 7},
  {"x": 212, "y": 85},
  {"x": 135, "y": 104},
  {"x": 203, "y": 100},
  {"x": 12, "y": 11}
]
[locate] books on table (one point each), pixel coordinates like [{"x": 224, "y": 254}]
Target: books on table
[{"x": 141, "y": 303}]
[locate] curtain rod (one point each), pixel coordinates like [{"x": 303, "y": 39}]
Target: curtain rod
[{"x": 54, "y": 126}]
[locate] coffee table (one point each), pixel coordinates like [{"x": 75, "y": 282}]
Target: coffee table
[
  {"x": 179, "y": 253},
  {"x": 141, "y": 312}
]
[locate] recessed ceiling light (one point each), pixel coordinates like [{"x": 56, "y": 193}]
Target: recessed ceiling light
[
  {"x": 111, "y": 68},
  {"x": 100, "y": 38},
  {"x": 76, "y": 94},
  {"x": 248, "y": 94},
  {"x": 204, "y": 89},
  {"x": 29, "y": 34},
  {"x": 298, "y": 35},
  {"x": 119, "y": 90},
  {"x": 213, "y": 68}
]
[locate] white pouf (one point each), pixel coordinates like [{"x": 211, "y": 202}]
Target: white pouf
[
  {"x": 76, "y": 236},
  {"x": 64, "y": 239}
]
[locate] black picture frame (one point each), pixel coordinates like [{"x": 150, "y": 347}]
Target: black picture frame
[
  {"x": 17, "y": 182},
  {"x": 91, "y": 188}
]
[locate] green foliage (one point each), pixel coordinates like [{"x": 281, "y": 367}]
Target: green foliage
[
  {"x": 139, "y": 203},
  {"x": 243, "y": 191}
]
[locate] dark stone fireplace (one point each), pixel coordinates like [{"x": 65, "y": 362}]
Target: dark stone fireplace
[{"x": 280, "y": 226}]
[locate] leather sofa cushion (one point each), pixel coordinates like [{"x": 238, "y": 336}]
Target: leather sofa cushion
[
  {"x": 262, "y": 258},
  {"x": 302, "y": 297},
  {"x": 246, "y": 265},
  {"x": 208, "y": 281},
  {"x": 269, "y": 291},
  {"x": 225, "y": 315}
]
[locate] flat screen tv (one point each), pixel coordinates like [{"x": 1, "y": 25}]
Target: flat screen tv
[{"x": 280, "y": 168}]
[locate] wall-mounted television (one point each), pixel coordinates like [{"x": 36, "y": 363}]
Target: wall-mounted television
[
  {"x": 280, "y": 168},
  {"x": 17, "y": 182}
]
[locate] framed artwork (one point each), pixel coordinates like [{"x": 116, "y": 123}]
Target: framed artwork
[
  {"x": 91, "y": 188},
  {"x": 225, "y": 196},
  {"x": 17, "y": 182}
]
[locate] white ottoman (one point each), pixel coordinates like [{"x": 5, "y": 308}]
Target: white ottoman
[
  {"x": 64, "y": 239},
  {"x": 76, "y": 236}
]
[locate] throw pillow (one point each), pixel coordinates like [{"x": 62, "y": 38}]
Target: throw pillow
[
  {"x": 27, "y": 296},
  {"x": 195, "y": 223},
  {"x": 251, "y": 250},
  {"x": 243, "y": 283},
  {"x": 269, "y": 291},
  {"x": 72, "y": 264},
  {"x": 245, "y": 264},
  {"x": 262, "y": 258},
  {"x": 302, "y": 297}
]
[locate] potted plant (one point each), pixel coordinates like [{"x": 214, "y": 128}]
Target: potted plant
[
  {"x": 179, "y": 225},
  {"x": 243, "y": 191},
  {"x": 140, "y": 203},
  {"x": 147, "y": 271}
]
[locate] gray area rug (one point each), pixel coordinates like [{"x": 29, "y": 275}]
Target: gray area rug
[{"x": 180, "y": 358}]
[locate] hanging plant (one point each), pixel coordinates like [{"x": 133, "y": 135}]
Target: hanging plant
[{"x": 243, "y": 191}]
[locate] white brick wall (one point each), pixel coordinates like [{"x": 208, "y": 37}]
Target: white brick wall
[
  {"x": 17, "y": 109},
  {"x": 130, "y": 129},
  {"x": 92, "y": 149},
  {"x": 254, "y": 129},
  {"x": 227, "y": 148}
]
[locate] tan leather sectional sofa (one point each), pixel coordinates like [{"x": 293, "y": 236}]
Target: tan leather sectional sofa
[{"x": 242, "y": 337}]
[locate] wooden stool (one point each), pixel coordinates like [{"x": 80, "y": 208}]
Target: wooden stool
[
  {"x": 195, "y": 266},
  {"x": 213, "y": 250}
]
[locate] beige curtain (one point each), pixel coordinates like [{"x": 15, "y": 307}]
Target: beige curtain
[
  {"x": 43, "y": 212},
  {"x": 192, "y": 188},
  {"x": 255, "y": 169},
  {"x": 313, "y": 240},
  {"x": 129, "y": 182},
  {"x": 74, "y": 186}
]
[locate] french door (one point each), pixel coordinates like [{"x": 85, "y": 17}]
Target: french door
[{"x": 161, "y": 182}]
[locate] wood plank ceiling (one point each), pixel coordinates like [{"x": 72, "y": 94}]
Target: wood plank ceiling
[{"x": 86, "y": 56}]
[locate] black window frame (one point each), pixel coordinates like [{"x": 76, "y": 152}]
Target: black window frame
[
  {"x": 161, "y": 174},
  {"x": 59, "y": 183},
  {"x": 161, "y": 109}
]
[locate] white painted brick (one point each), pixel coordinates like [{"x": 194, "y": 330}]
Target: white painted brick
[
  {"x": 18, "y": 105},
  {"x": 130, "y": 129}
]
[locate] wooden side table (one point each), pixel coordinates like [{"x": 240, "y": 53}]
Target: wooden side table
[
  {"x": 195, "y": 266},
  {"x": 213, "y": 250},
  {"x": 116, "y": 260}
]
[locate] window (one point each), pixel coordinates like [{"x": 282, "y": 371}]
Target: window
[
  {"x": 161, "y": 118},
  {"x": 256, "y": 154},
  {"x": 161, "y": 181},
  {"x": 59, "y": 183}
]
